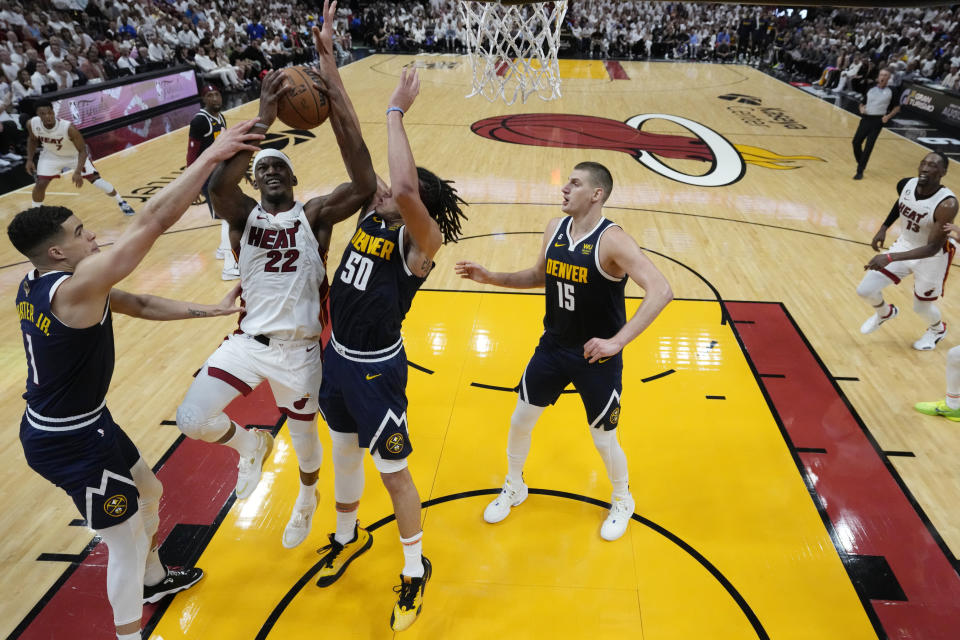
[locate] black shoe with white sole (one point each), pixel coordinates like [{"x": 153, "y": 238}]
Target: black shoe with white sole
[{"x": 176, "y": 580}]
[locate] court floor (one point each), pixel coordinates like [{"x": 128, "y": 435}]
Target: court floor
[{"x": 785, "y": 488}]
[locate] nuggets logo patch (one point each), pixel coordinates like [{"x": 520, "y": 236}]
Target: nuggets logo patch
[
  {"x": 395, "y": 443},
  {"x": 586, "y": 249},
  {"x": 115, "y": 506},
  {"x": 615, "y": 416}
]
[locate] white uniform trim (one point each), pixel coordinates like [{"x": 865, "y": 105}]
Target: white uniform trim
[
  {"x": 403, "y": 252},
  {"x": 596, "y": 255},
  {"x": 107, "y": 474},
  {"x": 573, "y": 244},
  {"x": 400, "y": 420},
  {"x": 366, "y": 356},
  {"x": 70, "y": 423},
  {"x": 613, "y": 395}
]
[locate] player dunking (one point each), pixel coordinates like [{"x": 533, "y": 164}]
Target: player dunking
[
  {"x": 65, "y": 306},
  {"x": 363, "y": 395},
  {"x": 204, "y": 129},
  {"x": 584, "y": 264},
  {"x": 282, "y": 247},
  {"x": 924, "y": 207},
  {"x": 63, "y": 149}
]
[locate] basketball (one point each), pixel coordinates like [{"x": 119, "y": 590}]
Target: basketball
[{"x": 303, "y": 107}]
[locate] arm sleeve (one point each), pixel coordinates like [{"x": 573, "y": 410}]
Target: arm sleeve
[
  {"x": 893, "y": 215},
  {"x": 902, "y": 184}
]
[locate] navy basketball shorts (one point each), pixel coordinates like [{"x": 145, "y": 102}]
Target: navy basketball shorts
[
  {"x": 553, "y": 367},
  {"x": 367, "y": 397},
  {"x": 90, "y": 463}
]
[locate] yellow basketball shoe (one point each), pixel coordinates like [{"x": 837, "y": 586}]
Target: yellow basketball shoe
[
  {"x": 337, "y": 557},
  {"x": 410, "y": 600},
  {"x": 938, "y": 408}
]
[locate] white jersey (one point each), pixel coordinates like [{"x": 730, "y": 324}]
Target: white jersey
[
  {"x": 55, "y": 141},
  {"x": 916, "y": 215},
  {"x": 283, "y": 277}
]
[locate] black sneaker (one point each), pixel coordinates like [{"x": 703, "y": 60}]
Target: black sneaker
[
  {"x": 858, "y": 176},
  {"x": 176, "y": 580},
  {"x": 410, "y": 599},
  {"x": 337, "y": 557},
  {"x": 126, "y": 208}
]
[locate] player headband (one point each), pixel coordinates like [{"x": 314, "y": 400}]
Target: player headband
[{"x": 271, "y": 153}]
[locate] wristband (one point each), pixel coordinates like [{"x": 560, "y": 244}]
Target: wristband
[
  {"x": 261, "y": 124},
  {"x": 389, "y": 109}
]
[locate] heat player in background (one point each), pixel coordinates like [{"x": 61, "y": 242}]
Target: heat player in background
[
  {"x": 62, "y": 148},
  {"x": 584, "y": 264},
  {"x": 281, "y": 245},
  {"x": 923, "y": 249},
  {"x": 204, "y": 129},
  {"x": 65, "y": 305}
]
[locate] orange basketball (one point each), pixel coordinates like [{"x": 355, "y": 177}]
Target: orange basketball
[{"x": 303, "y": 107}]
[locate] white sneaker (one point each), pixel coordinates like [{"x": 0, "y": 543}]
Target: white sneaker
[
  {"x": 126, "y": 208},
  {"x": 873, "y": 322},
  {"x": 248, "y": 470},
  {"x": 301, "y": 520},
  {"x": 510, "y": 496},
  {"x": 930, "y": 338},
  {"x": 4, "y": 164},
  {"x": 230, "y": 273},
  {"x": 221, "y": 253},
  {"x": 619, "y": 517},
  {"x": 12, "y": 157}
]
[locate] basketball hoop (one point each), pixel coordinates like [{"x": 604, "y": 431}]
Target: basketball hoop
[{"x": 513, "y": 47}]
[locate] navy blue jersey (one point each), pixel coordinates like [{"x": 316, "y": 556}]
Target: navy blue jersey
[
  {"x": 68, "y": 370},
  {"x": 583, "y": 301},
  {"x": 373, "y": 287}
]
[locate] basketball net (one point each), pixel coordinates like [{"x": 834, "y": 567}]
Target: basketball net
[{"x": 513, "y": 49}]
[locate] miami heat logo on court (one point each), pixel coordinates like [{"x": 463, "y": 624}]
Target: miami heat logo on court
[
  {"x": 728, "y": 161},
  {"x": 115, "y": 506},
  {"x": 395, "y": 443},
  {"x": 615, "y": 416}
]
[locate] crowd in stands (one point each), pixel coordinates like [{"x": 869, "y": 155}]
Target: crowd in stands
[{"x": 51, "y": 45}]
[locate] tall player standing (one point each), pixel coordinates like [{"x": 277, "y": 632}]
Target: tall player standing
[
  {"x": 584, "y": 264},
  {"x": 204, "y": 129},
  {"x": 68, "y": 435},
  {"x": 282, "y": 246},
  {"x": 63, "y": 148},
  {"x": 924, "y": 207},
  {"x": 363, "y": 395}
]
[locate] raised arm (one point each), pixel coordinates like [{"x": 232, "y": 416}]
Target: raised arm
[
  {"x": 81, "y": 146},
  {"x": 530, "y": 278},
  {"x": 347, "y": 198},
  {"x": 228, "y": 200},
  {"x": 96, "y": 275},
  {"x": 619, "y": 253},
  {"x": 404, "y": 183},
  {"x": 945, "y": 212}
]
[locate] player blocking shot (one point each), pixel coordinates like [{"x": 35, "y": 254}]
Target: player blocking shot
[
  {"x": 62, "y": 148},
  {"x": 65, "y": 306},
  {"x": 281, "y": 245},
  {"x": 584, "y": 263},
  {"x": 363, "y": 396},
  {"x": 924, "y": 208}
]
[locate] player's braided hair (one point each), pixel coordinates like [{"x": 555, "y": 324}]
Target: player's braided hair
[
  {"x": 443, "y": 203},
  {"x": 31, "y": 229}
]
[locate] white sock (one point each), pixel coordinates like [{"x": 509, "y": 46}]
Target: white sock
[
  {"x": 519, "y": 439},
  {"x": 413, "y": 555},
  {"x": 225, "y": 236},
  {"x": 243, "y": 440},
  {"x": 953, "y": 378},
  {"x": 130, "y": 636},
  {"x": 155, "y": 572},
  {"x": 104, "y": 186},
  {"x": 307, "y": 492},
  {"x": 346, "y": 520},
  {"x": 34, "y": 203}
]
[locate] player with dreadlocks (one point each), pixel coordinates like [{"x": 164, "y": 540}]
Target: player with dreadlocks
[{"x": 363, "y": 393}]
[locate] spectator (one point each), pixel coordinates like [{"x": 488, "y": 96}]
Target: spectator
[
  {"x": 23, "y": 87},
  {"x": 125, "y": 64},
  {"x": 7, "y": 66},
  {"x": 93, "y": 67}
]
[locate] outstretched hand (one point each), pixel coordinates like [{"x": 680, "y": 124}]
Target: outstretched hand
[
  {"x": 323, "y": 38},
  {"x": 234, "y": 140},
  {"x": 226, "y": 306},
  {"x": 274, "y": 87},
  {"x": 949, "y": 227},
  {"x": 407, "y": 89},
  {"x": 472, "y": 271}
]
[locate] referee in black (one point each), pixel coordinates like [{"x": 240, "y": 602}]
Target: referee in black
[{"x": 875, "y": 114}]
